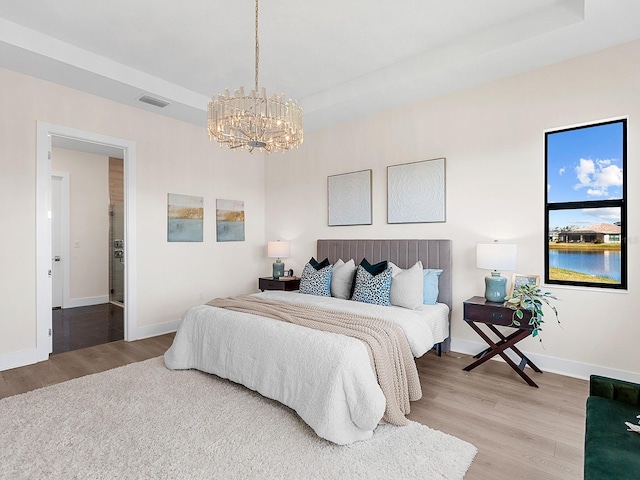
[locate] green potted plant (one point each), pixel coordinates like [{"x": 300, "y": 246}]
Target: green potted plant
[{"x": 530, "y": 297}]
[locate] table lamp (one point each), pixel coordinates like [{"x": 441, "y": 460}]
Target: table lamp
[
  {"x": 496, "y": 256},
  {"x": 278, "y": 250}
]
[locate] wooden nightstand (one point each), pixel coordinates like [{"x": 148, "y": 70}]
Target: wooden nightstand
[
  {"x": 478, "y": 311},
  {"x": 282, "y": 283}
]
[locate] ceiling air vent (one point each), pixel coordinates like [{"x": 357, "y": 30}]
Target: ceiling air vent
[{"x": 156, "y": 102}]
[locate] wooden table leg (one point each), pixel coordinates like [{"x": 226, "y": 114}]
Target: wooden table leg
[
  {"x": 499, "y": 349},
  {"x": 516, "y": 350}
]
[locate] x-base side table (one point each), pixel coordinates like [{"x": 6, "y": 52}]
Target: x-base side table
[{"x": 479, "y": 311}]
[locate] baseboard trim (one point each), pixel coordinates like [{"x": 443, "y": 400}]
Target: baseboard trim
[
  {"x": 155, "y": 330},
  {"x": 29, "y": 357},
  {"x": 549, "y": 364},
  {"x": 21, "y": 359},
  {"x": 86, "y": 301}
]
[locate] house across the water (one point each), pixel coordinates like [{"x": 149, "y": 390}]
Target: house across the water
[{"x": 599, "y": 233}]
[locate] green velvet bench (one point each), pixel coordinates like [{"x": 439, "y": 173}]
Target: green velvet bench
[{"x": 610, "y": 451}]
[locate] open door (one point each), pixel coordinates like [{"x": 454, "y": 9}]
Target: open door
[{"x": 57, "y": 275}]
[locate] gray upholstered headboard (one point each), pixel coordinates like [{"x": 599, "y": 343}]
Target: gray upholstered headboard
[{"x": 404, "y": 253}]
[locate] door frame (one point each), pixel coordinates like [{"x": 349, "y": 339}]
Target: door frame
[{"x": 44, "y": 133}]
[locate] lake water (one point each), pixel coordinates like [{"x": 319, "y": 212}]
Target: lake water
[
  {"x": 184, "y": 230},
  {"x": 229, "y": 231},
  {"x": 602, "y": 264}
]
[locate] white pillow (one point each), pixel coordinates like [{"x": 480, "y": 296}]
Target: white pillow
[
  {"x": 407, "y": 286},
  {"x": 342, "y": 279}
]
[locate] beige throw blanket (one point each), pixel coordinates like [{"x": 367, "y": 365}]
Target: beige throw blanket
[{"x": 389, "y": 351}]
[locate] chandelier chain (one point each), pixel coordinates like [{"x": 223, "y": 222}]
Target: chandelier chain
[{"x": 257, "y": 46}]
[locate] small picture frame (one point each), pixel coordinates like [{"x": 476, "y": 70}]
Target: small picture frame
[{"x": 519, "y": 279}]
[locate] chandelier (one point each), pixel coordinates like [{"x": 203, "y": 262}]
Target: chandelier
[{"x": 255, "y": 121}]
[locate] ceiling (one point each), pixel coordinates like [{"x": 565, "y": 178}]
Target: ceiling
[{"x": 341, "y": 59}]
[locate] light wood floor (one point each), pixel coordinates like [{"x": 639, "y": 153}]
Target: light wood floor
[
  {"x": 77, "y": 363},
  {"x": 521, "y": 432}
]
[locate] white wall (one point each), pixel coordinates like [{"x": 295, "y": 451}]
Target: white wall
[
  {"x": 171, "y": 157},
  {"x": 89, "y": 224},
  {"x": 493, "y": 139}
]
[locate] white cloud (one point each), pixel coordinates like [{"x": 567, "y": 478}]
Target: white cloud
[
  {"x": 604, "y": 163},
  {"x": 610, "y": 176},
  {"x": 598, "y": 176},
  {"x": 584, "y": 172},
  {"x": 606, "y": 215},
  {"x": 561, "y": 171}
]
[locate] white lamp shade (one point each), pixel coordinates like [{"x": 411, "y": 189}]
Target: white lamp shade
[
  {"x": 496, "y": 256},
  {"x": 278, "y": 249}
]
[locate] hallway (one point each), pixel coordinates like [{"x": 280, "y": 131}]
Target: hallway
[{"x": 80, "y": 327}]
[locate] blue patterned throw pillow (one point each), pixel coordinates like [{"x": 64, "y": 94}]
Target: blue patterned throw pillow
[
  {"x": 316, "y": 282},
  {"x": 374, "y": 289}
]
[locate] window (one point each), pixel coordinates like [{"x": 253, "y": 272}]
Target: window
[{"x": 585, "y": 205}]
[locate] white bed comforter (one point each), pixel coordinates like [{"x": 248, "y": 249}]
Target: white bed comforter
[{"x": 326, "y": 378}]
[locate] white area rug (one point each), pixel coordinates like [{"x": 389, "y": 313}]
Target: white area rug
[{"x": 145, "y": 421}]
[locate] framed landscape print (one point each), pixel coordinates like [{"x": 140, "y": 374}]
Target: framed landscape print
[
  {"x": 185, "y": 215},
  {"x": 229, "y": 220},
  {"x": 349, "y": 198},
  {"x": 416, "y": 192}
]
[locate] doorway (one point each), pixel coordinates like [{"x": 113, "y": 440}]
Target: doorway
[
  {"x": 70, "y": 138},
  {"x": 87, "y": 271}
]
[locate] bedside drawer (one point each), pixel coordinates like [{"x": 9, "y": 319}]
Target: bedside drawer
[
  {"x": 268, "y": 283},
  {"x": 495, "y": 315}
]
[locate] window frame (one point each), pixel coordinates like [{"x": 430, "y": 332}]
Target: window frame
[{"x": 618, "y": 203}]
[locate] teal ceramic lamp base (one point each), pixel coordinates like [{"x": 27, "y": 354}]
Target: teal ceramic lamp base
[
  {"x": 495, "y": 287},
  {"x": 278, "y": 269}
]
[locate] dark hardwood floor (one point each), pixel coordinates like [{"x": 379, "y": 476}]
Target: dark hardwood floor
[
  {"x": 81, "y": 327},
  {"x": 521, "y": 432}
]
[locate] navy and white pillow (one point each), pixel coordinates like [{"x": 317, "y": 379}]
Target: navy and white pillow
[
  {"x": 316, "y": 281},
  {"x": 376, "y": 268},
  {"x": 319, "y": 265},
  {"x": 374, "y": 289}
]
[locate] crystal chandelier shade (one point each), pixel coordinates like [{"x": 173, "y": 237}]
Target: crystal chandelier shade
[{"x": 242, "y": 121}]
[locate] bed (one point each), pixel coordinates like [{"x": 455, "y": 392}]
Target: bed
[
  {"x": 435, "y": 254},
  {"x": 326, "y": 377}
]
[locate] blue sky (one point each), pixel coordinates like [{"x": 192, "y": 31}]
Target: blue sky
[{"x": 585, "y": 164}]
